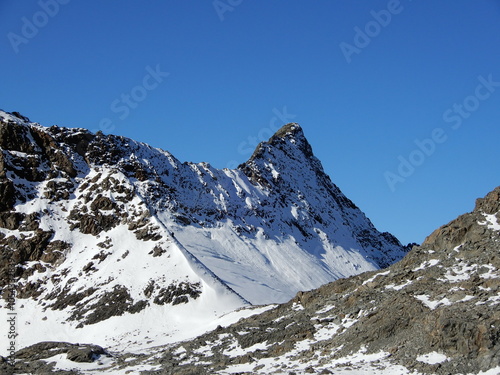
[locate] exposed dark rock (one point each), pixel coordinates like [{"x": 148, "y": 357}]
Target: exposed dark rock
[
  {"x": 489, "y": 204},
  {"x": 53, "y": 152},
  {"x": 79, "y": 141},
  {"x": 17, "y": 251},
  {"x": 148, "y": 234},
  {"x": 55, "y": 252},
  {"x": 114, "y": 303},
  {"x": 102, "y": 203},
  {"x": 31, "y": 222},
  {"x": 158, "y": 251},
  {"x": 87, "y": 353},
  {"x": 33, "y": 359},
  {"x": 11, "y": 220},
  {"x": 176, "y": 294},
  {"x": 93, "y": 224},
  {"x": 57, "y": 190},
  {"x": 105, "y": 149},
  {"x": 21, "y": 117},
  {"x": 138, "y": 306},
  {"x": 88, "y": 267},
  {"x": 63, "y": 298},
  {"x": 15, "y": 137},
  {"x": 7, "y": 195},
  {"x": 182, "y": 219},
  {"x": 148, "y": 292},
  {"x": 105, "y": 244},
  {"x": 101, "y": 256}
]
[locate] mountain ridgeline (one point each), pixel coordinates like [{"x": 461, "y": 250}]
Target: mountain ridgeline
[
  {"x": 155, "y": 265},
  {"x": 100, "y": 228}
]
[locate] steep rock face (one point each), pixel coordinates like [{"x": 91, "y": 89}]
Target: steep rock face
[
  {"x": 277, "y": 224},
  {"x": 287, "y": 165},
  {"x": 98, "y": 226}
]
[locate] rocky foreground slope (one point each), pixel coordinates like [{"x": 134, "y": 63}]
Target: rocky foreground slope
[{"x": 435, "y": 312}]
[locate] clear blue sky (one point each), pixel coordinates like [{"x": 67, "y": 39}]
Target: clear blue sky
[{"x": 365, "y": 79}]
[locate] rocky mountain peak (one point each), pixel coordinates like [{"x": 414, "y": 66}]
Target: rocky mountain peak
[
  {"x": 287, "y": 154},
  {"x": 101, "y": 226},
  {"x": 490, "y": 204},
  {"x": 14, "y": 117},
  {"x": 106, "y": 234},
  {"x": 291, "y": 129},
  {"x": 467, "y": 230},
  {"x": 289, "y": 139}
]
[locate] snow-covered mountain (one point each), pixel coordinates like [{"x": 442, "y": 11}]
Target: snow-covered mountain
[
  {"x": 434, "y": 312},
  {"x": 110, "y": 241}
]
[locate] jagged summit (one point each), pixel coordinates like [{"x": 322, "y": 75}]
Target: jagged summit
[
  {"x": 467, "y": 228},
  {"x": 490, "y": 204},
  {"x": 287, "y": 160},
  {"x": 289, "y": 134},
  {"x": 291, "y": 129},
  {"x": 14, "y": 117}
]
